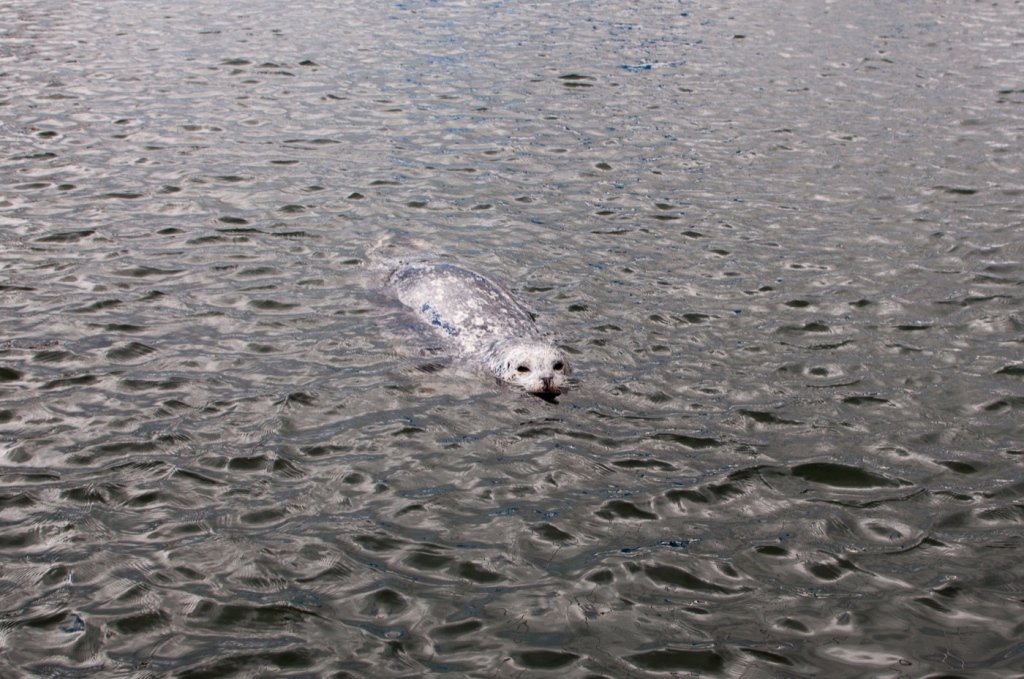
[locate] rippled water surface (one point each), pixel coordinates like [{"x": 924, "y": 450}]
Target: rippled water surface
[{"x": 782, "y": 241}]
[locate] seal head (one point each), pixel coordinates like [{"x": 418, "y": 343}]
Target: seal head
[{"x": 537, "y": 367}]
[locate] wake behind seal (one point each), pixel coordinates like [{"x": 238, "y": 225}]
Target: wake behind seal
[{"x": 477, "y": 318}]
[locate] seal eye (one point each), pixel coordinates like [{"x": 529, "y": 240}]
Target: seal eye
[
  {"x": 558, "y": 365},
  {"x": 522, "y": 369}
]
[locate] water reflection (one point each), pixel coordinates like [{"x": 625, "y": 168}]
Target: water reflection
[{"x": 779, "y": 242}]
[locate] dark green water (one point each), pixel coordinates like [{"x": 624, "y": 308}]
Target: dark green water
[{"x": 782, "y": 240}]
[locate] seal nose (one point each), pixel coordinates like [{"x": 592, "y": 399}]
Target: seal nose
[{"x": 548, "y": 391}]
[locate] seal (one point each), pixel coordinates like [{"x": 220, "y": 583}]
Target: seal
[{"x": 477, "y": 318}]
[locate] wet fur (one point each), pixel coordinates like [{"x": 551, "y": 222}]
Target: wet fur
[{"x": 476, "y": 317}]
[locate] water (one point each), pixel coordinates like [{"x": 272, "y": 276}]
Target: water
[{"x": 781, "y": 240}]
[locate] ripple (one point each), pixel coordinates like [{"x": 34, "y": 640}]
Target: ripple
[
  {"x": 677, "y": 577},
  {"x": 384, "y": 603},
  {"x": 130, "y": 352},
  {"x": 692, "y": 442},
  {"x": 657, "y": 465},
  {"x": 477, "y": 573},
  {"x": 457, "y": 629},
  {"x": 429, "y": 560},
  {"x": 67, "y": 236},
  {"x": 865, "y": 400},
  {"x": 624, "y": 510},
  {"x": 10, "y": 374},
  {"x": 679, "y": 660},
  {"x": 545, "y": 660},
  {"x": 842, "y": 476},
  {"x": 146, "y": 272},
  {"x": 762, "y": 417},
  {"x": 141, "y": 623},
  {"x": 272, "y": 305},
  {"x": 550, "y": 533}
]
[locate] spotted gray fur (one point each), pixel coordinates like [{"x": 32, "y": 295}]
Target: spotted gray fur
[{"x": 478, "y": 318}]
